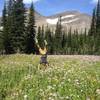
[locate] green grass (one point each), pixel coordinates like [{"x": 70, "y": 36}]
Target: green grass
[{"x": 64, "y": 79}]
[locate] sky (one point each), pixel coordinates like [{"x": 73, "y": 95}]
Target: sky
[{"x": 51, "y": 7}]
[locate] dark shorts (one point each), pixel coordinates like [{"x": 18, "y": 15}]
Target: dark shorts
[{"x": 43, "y": 59}]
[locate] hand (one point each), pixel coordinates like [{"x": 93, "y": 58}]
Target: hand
[
  {"x": 45, "y": 42},
  {"x": 36, "y": 40},
  {"x": 38, "y": 46}
]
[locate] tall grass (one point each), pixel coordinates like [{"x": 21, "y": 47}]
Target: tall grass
[{"x": 63, "y": 79}]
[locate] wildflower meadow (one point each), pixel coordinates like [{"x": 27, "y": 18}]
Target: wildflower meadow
[{"x": 66, "y": 78}]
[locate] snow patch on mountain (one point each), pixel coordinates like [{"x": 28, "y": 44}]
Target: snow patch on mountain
[
  {"x": 52, "y": 21},
  {"x": 70, "y": 21},
  {"x": 55, "y": 20},
  {"x": 67, "y": 16}
]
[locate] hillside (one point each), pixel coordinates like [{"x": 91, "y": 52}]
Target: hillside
[
  {"x": 67, "y": 78},
  {"x": 73, "y": 19}
]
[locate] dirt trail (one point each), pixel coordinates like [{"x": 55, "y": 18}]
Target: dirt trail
[{"x": 80, "y": 57}]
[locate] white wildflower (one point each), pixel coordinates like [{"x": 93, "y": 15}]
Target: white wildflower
[
  {"x": 69, "y": 80},
  {"x": 81, "y": 90},
  {"x": 49, "y": 87},
  {"x": 77, "y": 82},
  {"x": 78, "y": 96},
  {"x": 25, "y": 97},
  {"x": 54, "y": 85},
  {"x": 62, "y": 83},
  {"x": 54, "y": 94},
  {"x": 28, "y": 77},
  {"x": 98, "y": 91},
  {"x": 41, "y": 90},
  {"x": 50, "y": 94},
  {"x": 50, "y": 98},
  {"x": 67, "y": 97},
  {"x": 88, "y": 98}
]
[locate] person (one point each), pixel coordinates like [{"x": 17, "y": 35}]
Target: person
[{"x": 43, "y": 52}]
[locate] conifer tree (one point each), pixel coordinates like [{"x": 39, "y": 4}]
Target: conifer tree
[
  {"x": 98, "y": 18},
  {"x": 58, "y": 37},
  {"x": 92, "y": 31},
  {"x": 64, "y": 42},
  {"x": 48, "y": 37},
  {"x": 10, "y": 23},
  {"x": 69, "y": 41},
  {"x": 97, "y": 40},
  {"x": 40, "y": 36},
  {"x": 30, "y": 37},
  {"x": 4, "y": 20},
  {"x": 6, "y": 29},
  {"x": 1, "y": 42},
  {"x": 77, "y": 41},
  {"x": 19, "y": 26}
]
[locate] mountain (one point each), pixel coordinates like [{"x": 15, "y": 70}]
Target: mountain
[{"x": 70, "y": 19}]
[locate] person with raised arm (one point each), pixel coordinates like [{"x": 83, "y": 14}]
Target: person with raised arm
[{"x": 43, "y": 52}]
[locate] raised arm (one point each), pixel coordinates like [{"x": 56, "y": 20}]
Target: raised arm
[
  {"x": 45, "y": 42},
  {"x": 37, "y": 43}
]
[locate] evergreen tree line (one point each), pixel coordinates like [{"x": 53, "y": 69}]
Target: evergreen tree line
[
  {"x": 70, "y": 42},
  {"x": 19, "y": 34},
  {"x": 74, "y": 42},
  {"x": 94, "y": 32}
]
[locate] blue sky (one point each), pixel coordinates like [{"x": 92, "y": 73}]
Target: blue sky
[{"x": 50, "y": 7}]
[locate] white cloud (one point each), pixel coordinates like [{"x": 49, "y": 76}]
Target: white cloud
[
  {"x": 94, "y": 1},
  {"x": 29, "y": 1}
]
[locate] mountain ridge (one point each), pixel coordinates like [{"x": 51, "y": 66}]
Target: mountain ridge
[{"x": 73, "y": 19}]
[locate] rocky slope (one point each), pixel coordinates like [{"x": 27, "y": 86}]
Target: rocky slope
[{"x": 73, "y": 19}]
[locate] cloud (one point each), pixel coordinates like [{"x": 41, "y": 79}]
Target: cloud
[
  {"x": 29, "y": 1},
  {"x": 94, "y": 1}
]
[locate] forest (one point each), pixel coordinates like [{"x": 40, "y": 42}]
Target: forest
[{"x": 19, "y": 33}]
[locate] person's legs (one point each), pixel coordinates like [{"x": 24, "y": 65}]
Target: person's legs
[
  {"x": 39, "y": 66},
  {"x": 43, "y": 61}
]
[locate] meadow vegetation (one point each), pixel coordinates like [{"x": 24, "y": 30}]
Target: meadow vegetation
[{"x": 66, "y": 78}]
